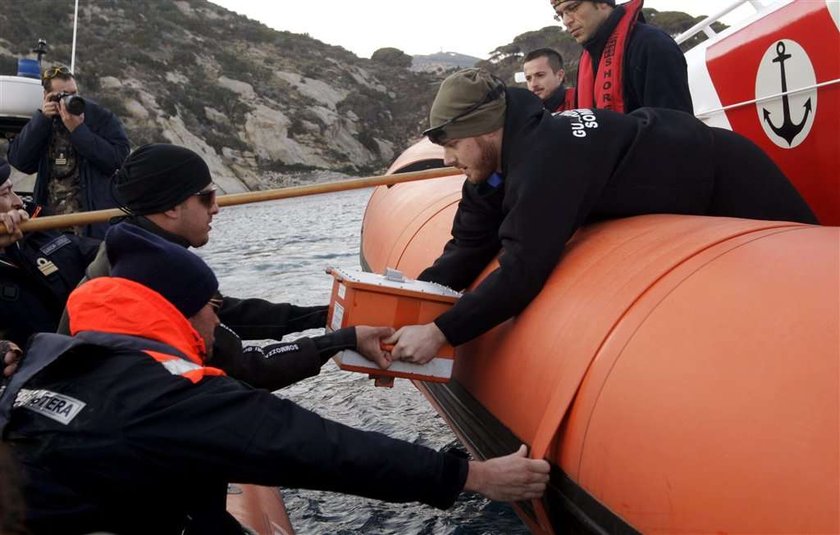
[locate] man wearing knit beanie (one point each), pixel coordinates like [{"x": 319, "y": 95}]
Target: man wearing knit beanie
[
  {"x": 170, "y": 187},
  {"x": 534, "y": 178},
  {"x": 177, "y": 275},
  {"x": 625, "y": 63},
  {"x": 181, "y": 277},
  {"x": 168, "y": 190},
  {"x": 158, "y": 177},
  {"x": 125, "y": 417}
]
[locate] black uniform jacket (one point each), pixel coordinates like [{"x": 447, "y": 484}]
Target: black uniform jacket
[
  {"x": 562, "y": 170},
  {"x": 112, "y": 439},
  {"x": 271, "y": 367},
  {"x": 36, "y": 276}
]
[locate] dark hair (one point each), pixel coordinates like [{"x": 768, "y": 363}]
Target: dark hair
[
  {"x": 60, "y": 72},
  {"x": 555, "y": 60}
]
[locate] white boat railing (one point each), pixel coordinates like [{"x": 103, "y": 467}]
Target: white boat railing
[
  {"x": 705, "y": 114},
  {"x": 705, "y": 25}
]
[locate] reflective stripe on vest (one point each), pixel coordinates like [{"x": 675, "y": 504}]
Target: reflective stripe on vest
[{"x": 179, "y": 366}]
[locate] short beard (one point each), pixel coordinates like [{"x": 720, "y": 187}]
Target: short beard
[{"x": 488, "y": 160}]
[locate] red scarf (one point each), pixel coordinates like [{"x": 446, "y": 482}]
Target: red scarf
[
  {"x": 568, "y": 101},
  {"x": 605, "y": 91}
]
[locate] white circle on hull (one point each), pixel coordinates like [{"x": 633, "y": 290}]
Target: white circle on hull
[
  {"x": 786, "y": 68},
  {"x": 833, "y": 7}
]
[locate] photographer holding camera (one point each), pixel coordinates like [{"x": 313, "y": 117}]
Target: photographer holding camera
[{"x": 75, "y": 145}]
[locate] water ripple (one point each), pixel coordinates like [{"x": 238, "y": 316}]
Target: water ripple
[{"x": 278, "y": 251}]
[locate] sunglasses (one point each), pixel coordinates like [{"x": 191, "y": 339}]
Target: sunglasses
[
  {"x": 215, "y": 302},
  {"x": 207, "y": 196},
  {"x": 437, "y": 135},
  {"x": 49, "y": 74}
]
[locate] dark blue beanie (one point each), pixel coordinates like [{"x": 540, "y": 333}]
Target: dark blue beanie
[
  {"x": 171, "y": 270},
  {"x": 5, "y": 170}
]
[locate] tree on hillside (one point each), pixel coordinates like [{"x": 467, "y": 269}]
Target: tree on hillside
[
  {"x": 392, "y": 57},
  {"x": 677, "y": 22},
  {"x": 506, "y": 60}
]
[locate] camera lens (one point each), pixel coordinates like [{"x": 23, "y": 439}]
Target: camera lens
[{"x": 74, "y": 104}]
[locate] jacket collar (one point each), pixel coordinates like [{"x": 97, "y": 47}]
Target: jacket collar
[
  {"x": 557, "y": 97},
  {"x": 524, "y": 111},
  {"x": 147, "y": 224}
]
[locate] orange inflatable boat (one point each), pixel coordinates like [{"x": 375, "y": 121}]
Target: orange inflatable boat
[
  {"x": 260, "y": 510},
  {"x": 681, "y": 374}
]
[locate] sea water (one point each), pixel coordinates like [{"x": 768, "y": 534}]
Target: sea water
[{"x": 278, "y": 251}]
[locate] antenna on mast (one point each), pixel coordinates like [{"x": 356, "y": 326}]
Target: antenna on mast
[
  {"x": 40, "y": 49},
  {"x": 75, "y": 27}
]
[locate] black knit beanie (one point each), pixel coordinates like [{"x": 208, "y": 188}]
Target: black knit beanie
[
  {"x": 180, "y": 276},
  {"x": 157, "y": 177}
]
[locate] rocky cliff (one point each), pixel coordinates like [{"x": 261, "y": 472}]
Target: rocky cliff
[
  {"x": 260, "y": 105},
  {"x": 256, "y": 103}
]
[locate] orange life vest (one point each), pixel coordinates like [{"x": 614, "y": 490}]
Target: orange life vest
[{"x": 121, "y": 306}]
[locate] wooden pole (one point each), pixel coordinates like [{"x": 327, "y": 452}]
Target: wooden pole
[{"x": 101, "y": 216}]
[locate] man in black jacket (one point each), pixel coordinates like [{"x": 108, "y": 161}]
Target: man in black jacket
[
  {"x": 75, "y": 155},
  {"x": 625, "y": 63},
  {"x": 37, "y": 271},
  {"x": 168, "y": 190},
  {"x": 123, "y": 427},
  {"x": 545, "y": 75},
  {"x": 534, "y": 178}
]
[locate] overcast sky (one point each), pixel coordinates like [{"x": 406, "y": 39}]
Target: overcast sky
[{"x": 473, "y": 27}]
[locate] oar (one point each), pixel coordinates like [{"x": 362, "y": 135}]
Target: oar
[{"x": 101, "y": 216}]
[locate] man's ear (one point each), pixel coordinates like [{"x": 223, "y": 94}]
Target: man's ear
[
  {"x": 168, "y": 220},
  {"x": 173, "y": 213},
  {"x": 562, "y": 74}
]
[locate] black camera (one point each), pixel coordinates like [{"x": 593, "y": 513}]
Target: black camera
[{"x": 74, "y": 103}]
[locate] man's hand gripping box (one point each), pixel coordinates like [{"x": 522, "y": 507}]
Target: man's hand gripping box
[{"x": 361, "y": 298}]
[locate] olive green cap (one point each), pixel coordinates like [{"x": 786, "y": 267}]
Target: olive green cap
[{"x": 469, "y": 103}]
